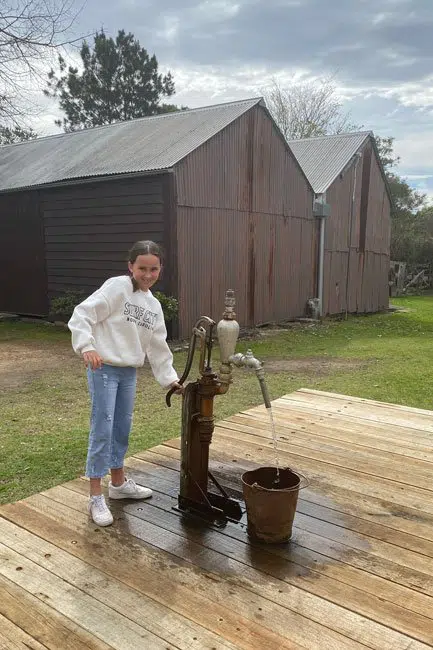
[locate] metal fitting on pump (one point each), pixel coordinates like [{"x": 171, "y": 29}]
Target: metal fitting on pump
[
  {"x": 228, "y": 333},
  {"x": 248, "y": 360}
]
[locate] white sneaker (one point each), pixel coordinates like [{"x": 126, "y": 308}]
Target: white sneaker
[
  {"x": 129, "y": 490},
  {"x": 99, "y": 511}
]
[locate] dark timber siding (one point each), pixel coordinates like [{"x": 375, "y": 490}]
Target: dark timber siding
[
  {"x": 22, "y": 261},
  {"x": 90, "y": 227}
]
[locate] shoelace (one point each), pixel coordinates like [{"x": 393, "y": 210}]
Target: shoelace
[{"x": 99, "y": 503}]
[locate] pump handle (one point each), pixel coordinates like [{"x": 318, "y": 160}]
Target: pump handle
[{"x": 198, "y": 331}]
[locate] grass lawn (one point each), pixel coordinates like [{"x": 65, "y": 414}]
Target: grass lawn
[{"x": 44, "y": 419}]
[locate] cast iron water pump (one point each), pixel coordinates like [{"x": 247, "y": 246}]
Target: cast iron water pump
[{"x": 197, "y": 415}]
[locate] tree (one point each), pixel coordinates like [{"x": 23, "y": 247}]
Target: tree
[
  {"x": 411, "y": 221},
  {"x": 425, "y": 248},
  {"x": 408, "y": 228},
  {"x": 30, "y": 30},
  {"x": 11, "y": 135},
  {"x": 311, "y": 109},
  {"x": 308, "y": 109},
  {"x": 385, "y": 147},
  {"x": 119, "y": 81}
]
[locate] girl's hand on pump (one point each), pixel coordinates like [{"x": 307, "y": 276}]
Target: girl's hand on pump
[{"x": 179, "y": 388}]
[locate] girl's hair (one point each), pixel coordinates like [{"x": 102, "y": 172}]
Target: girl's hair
[{"x": 145, "y": 247}]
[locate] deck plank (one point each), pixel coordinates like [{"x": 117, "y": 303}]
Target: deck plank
[
  {"x": 332, "y": 525},
  {"x": 240, "y": 582},
  {"x": 110, "y": 591},
  {"x": 371, "y": 403},
  {"x": 12, "y": 637},
  {"x": 327, "y": 471},
  {"x": 358, "y": 572},
  {"x": 298, "y": 566},
  {"x": 366, "y": 411},
  {"x": 413, "y": 472},
  {"x": 314, "y": 552},
  {"x": 292, "y": 425},
  {"x": 358, "y": 509},
  {"x": 104, "y": 622},
  {"x": 33, "y": 623},
  {"x": 177, "y": 584}
]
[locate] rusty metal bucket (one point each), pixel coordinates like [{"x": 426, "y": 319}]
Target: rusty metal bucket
[{"x": 271, "y": 507}]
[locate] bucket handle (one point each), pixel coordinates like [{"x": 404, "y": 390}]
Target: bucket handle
[
  {"x": 307, "y": 482},
  {"x": 301, "y": 476},
  {"x": 301, "y": 486}
]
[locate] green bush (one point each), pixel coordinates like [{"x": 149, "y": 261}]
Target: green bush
[
  {"x": 61, "y": 308},
  {"x": 170, "y": 305}
]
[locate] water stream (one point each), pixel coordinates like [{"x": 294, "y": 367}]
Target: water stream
[
  {"x": 274, "y": 438},
  {"x": 268, "y": 406}
]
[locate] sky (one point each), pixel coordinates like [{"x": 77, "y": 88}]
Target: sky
[{"x": 379, "y": 53}]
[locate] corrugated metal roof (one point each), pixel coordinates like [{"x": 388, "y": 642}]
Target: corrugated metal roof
[
  {"x": 323, "y": 159},
  {"x": 143, "y": 145}
]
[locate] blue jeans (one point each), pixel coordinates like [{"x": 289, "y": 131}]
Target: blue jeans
[{"x": 112, "y": 394}]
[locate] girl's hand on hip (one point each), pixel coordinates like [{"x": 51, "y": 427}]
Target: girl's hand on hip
[
  {"x": 179, "y": 388},
  {"x": 92, "y": 360}
]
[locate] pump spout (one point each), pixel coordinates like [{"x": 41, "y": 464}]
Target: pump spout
[{"x": 248, "y": 360}]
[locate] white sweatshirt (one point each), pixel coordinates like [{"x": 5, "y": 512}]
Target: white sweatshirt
[{"x": 124, "y": 327}]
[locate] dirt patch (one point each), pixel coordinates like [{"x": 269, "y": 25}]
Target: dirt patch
[
  {"x": 21, "y": 363},
  {"x": 314, "y": 366}
]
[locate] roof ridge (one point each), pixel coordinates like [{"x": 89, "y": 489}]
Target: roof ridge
[
  {"x": 136, "y": 119},
  {"x": 143, "y": 145},
  {"x": 324, "y": 158},
  {"x": 333, "y": 135}
]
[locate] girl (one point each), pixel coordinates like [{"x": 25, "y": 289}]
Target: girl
[{"x": 114, "y": 330}]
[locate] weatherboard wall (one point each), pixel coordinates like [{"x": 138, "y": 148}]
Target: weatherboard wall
[
  {"x": 23, "y": 279},
  {"x": 76, "y": 236},
  {"x": 89, "y": 229}
]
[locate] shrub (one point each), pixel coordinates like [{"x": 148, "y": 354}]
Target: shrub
[
  {"x": 61, "y": 308},
  {"x": 170, "y": 305}
]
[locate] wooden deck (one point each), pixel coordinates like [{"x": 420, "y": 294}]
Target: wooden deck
[{"x": 358, "y": 572}]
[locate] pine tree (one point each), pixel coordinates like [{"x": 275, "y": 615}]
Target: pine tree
[
  {"x": 118, "y": 81},
  {"x": 13, "y": 134}
]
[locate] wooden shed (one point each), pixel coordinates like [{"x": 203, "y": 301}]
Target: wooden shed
[
  {"x": 219, "y": 187},
  {"x": 346, "y": 173}
]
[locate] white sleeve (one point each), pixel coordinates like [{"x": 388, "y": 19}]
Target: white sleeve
[
  {"x": 159, "y": 354},
  {"x": 85, "y": 316}
]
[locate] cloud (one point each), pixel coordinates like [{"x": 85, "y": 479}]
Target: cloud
[
  {"x": 415, "y": 149},
  {"x": 381, "y": 52},
  {"x": 374, "y": 43},
  {"x": 381, "y": 47},
  {"x": 416, "y": 167},
  {"x": 378, "y": 41}
]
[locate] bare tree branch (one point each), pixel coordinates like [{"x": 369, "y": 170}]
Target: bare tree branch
[
  {"x": 31, "y": 32},
  {"x": 308, "y": 109}
]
